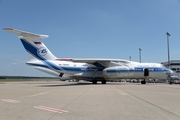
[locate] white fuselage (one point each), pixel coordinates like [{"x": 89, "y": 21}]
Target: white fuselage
[
  {"x": 93, "y": 70},
  {"x": 88, "y": 72}
]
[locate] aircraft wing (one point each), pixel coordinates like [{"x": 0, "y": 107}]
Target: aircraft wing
[
  {"x": 101, "y": 60},
  {"x": 102, "y": 63}
]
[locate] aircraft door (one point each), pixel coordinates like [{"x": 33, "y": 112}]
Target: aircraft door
[
  {"x": 146, "y": 72},
  {"x": 146, "y": 76}
]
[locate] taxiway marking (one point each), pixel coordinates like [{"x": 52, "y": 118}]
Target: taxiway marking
[
  {"x": 10, "y": 100},
  {"x": 50, "y": 109}
]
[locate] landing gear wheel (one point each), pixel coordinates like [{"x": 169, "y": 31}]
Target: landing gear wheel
[
  {"x": 94, "y": 82},
  {"x": 143, "y": 82},
  {"x": 170, "y": 82},
  {"x": 103, "y": 82}
]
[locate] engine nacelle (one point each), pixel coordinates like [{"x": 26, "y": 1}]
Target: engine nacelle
[
  {"x": 64, "y": 78},
  {"x": 118, "y": 72}
]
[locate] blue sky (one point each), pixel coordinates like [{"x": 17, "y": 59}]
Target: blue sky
[{"x": 90, "y": 29}]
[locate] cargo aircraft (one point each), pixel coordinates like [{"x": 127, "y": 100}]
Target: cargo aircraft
[{"x": 87, "y": 69}]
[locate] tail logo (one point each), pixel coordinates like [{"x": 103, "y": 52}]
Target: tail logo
[{"x": 42, "y": 51}]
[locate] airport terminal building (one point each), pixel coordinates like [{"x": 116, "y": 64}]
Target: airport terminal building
[{"x": 174, "y": 66}]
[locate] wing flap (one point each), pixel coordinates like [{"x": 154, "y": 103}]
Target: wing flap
[
  {"x": 103, "y": 63},
  {"x": 100, "y": 60}
]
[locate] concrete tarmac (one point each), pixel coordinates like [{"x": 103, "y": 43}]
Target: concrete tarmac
[{"x": 55, "y": 100}]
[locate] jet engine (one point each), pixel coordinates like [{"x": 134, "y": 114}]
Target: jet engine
[
  {"x": 118, "y": 72},
  {"x": 64, "y": 78}
]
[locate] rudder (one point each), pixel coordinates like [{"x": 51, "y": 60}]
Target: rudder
[
  {"x": 31, "y": 42},
  {"x": 37, "y": 50}
]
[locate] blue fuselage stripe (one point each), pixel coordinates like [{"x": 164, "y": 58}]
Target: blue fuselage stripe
[
  {"x": 138, "y": 69},
  {"x": 34, "y": 51},
  {"x": 72, "y": 69}
]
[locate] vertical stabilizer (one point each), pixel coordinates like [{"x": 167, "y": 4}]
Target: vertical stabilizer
[{"x": 33, "y": 45}]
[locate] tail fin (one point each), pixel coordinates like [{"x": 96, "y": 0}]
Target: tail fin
[{"x": 33, "y": 45}]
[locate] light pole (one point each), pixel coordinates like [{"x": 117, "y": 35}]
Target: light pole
[
  {"x": 129, "y": 58},
  {"x": 140, "y": 55},
  {"x": 168, "y": 49}
]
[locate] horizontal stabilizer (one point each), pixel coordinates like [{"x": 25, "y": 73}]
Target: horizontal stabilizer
[
  {"x": 35, "y": 48},
  {"x": 25, "y": 34}
]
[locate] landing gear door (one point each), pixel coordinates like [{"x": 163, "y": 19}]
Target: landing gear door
[{"x": 123, "y": 71}]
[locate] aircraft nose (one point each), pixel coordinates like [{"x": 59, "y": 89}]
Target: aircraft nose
[{"x": 171, "y": 72}]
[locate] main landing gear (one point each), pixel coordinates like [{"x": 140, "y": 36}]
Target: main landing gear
[
  {"x": 143, "y": 81},
  {"x": 95, "y": 82},
  {"x": 103, "y": 81}
]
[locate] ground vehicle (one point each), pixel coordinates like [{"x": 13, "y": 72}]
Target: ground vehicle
[{"x": 174, "y": 80}]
